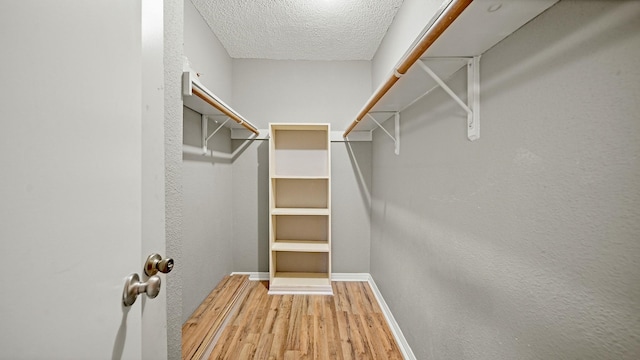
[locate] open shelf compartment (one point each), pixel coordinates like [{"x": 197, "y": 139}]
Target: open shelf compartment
[
  {"x": 300, "y": 193},
  {"x": 300, "y": 228},
  {"x": 300, "y": 151},
  {"x": 295, "y": 272}
]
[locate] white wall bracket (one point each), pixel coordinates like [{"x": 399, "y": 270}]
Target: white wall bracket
[
  {"x": 396, "y": 138},
  {"x": 205, "y": 131},
  {"x": 472, "y": 107}
]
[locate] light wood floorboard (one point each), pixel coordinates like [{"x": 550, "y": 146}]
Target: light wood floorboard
[
  {"x": 206, "y": 322},
  {"x": 346, "y": 326}
]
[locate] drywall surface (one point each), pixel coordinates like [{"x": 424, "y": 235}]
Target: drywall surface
[
  {"x": 332, "y": 92},
  {"x": 410, "y": 20},
  {"x": 350, "y": 204},
  {"x": 206, "y": 54},
  {"x": 301, "y": 91},
  {"x": 207, "y": 202},
  {"x": 351, "y": 168},
  {"x": 207, "y": 245},
  {"x": 173, "y": 50},
  {"x": 523, "y": 244},
  {"x": 251, "y": 206}
]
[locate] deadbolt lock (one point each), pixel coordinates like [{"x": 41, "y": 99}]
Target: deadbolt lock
[{"x": 156, "y": 263}]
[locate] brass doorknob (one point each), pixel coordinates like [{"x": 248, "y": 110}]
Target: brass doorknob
[{"x": 156, "y": 263}]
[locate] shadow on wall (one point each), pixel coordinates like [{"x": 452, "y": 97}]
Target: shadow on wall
[
  {"x": 196, "y": 154},
  {"x": 501, "y": 242},
  {"x": 219, "y": 147},
  {"x": 364, "y": 182},
  {"x": 263, "y": 206},
  {"x": 605, "y": 27},
  {"x": 121, "y": 336}
]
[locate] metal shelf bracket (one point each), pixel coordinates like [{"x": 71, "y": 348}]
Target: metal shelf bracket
[
  {"x": 472, "y": 107},
  {"x": 205, "y": 131},
  {"x": 396, "y": 139}
]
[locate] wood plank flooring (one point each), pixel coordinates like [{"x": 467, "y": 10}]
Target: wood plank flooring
[
  {"x": 206, "y": 322},
  {"x": 348, "y": 325}
]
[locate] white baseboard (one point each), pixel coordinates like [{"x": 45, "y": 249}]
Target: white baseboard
[
  {"x": 407, "y": 353},
  {"x": 350, "y": 277},
  {"x": 254, "y": 276},
  {"x": 405, "y": 349},
  {"x": 264, "y": 276}
]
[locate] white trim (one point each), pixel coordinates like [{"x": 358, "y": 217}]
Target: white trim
[
  {"x": 405, "y": 349},
  {"x": 335, "y": 136},
  {"x": 264, "y": 276},
  {"x": 407, "y": 353},
  {"x": 289, "y": 290},
  {"x": 253, "y": 276},
  {"x": 350, "y": 277}
]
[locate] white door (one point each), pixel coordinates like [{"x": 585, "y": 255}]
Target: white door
[{"x": 78, "y": 180}]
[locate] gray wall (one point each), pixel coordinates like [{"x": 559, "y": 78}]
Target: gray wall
[
  {"x": 206, "y": 54},
  {"x": 411, "y": 19},
  {"x": 207, "y": 231},
  {"x": 287, "y": 91},
  {"x": 523, "y": 244},
  {"x": 207, "y": 216},
  {"x": 301, "y": 91},
  {"x": 251, "y": 207}
]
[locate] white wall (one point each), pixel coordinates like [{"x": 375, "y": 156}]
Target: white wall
[
  {"x": 408, "y": 24},
  {"x": 523, "y": 244},
  {"x": 301, "y": 91},
  {"x": 207, "y": 186}
]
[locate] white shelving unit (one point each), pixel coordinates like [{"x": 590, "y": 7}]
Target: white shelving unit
[{"x": 300, "y": 209}]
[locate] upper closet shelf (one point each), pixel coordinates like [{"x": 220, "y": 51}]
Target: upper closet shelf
[
  {"x": 457, "y": 35},
  {"x": 200, "y": 99}
]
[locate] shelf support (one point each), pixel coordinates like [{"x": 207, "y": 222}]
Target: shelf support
[
  {"x": 472, "y": 107},
  {"x": 473, "y": 98},
  {"x": 205, "y": 130},
  {"x": 396, "y": 139}
]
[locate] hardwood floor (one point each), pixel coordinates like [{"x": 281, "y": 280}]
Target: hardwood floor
[
  {"x": 207, "y": 321},
  {"x": 348, "y": 325}
]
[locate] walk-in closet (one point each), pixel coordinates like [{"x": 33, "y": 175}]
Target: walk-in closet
[{"x": 320, "y": 179}]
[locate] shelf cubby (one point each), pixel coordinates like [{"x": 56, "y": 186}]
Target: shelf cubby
[{"x": 300, "y": 193}]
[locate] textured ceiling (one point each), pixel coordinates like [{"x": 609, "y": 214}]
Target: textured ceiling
[{"x": 299, "y": 29}]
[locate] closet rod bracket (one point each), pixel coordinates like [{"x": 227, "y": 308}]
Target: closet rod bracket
[
  {"x": 396, "y": 138},
  {"x": 205, "y": 131},
  {"x": 472, "y": 106}
]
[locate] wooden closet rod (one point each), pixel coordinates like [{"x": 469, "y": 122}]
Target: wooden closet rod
[
  {"x": 446, "y": 18},
  {"x": 231, "y": 114}
]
